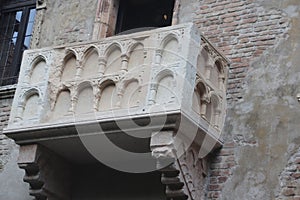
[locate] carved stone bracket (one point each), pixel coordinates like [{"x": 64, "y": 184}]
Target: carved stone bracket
[
  {"x": 184, "y": 175},
  {"x": 162, "y": 146},
  {"x": 46, "y": 173},
  {"x": 173, "y": 181}
]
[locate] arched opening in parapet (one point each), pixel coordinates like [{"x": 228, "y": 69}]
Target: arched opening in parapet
[
  {"x": 69, "y": 68},
  {"x": 38, "y": 71},
  {"x": 108, "y": 96},
  {"x": 90, "y": 63},
  {"x": 212, "y": 110},
  {"x": 136, "y": 57},
  {"x": 62, "y": 105},
  {"x": 32, "y": 106},
  {"x": 131, "y": 96},
  {"x": 165, "y": 90},
  {"x": 85, "y": 102},
  {"x": 170, "y": 51},
  {"x": 114, "y": 62}
]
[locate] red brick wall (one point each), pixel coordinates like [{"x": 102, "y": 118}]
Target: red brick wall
[
  {"x": 290, "y": 179},
  {"x": 243, "y": 30}
]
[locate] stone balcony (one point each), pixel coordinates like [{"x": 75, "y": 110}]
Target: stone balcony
[{"x": 169, "y": 78}]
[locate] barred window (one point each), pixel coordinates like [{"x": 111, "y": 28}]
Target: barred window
[{"x": 16, "y": 25}]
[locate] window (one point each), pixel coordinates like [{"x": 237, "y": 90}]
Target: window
[
  {"x": 144, "y": 14},
  {"x": 16, "y": 25},
  {"x": 125, "y": 16}
]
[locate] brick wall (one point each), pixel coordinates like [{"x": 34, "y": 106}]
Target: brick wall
[
  {"x": 243, "y": 30},
  {"x": 220, "y": 170},
  {"x": 6, "y": 97},
  {"x": 290, "y": 179}
]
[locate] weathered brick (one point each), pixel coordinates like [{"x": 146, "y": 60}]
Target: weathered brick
[
  {"x": 297, "y": 160},
  {"x": 222, "y": 179},
  {"x": 226, "y": 152},
  {"x": 288, "y": 192},
  {"x": 215, "y": 187},
  {"x": 296, "y": 175},
  {"x": 229, "y": 19},
  {"x": 250, "y": 20},
  {"x": 214, "y": 194}
]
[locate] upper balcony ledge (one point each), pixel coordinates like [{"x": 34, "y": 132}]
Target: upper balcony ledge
[{"x": 167, "y": 70}]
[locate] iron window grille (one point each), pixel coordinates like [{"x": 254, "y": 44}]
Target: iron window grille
[{"x": 16, "y": 25}]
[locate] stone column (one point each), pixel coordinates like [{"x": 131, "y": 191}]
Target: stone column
[
  {"x": 158, "y": 56},
  {"x": 102, "y": 64},
  {"x": 78, "y": 69},
  {"x": 124, "y": 63},
  {"x": 153, "y": 89}
]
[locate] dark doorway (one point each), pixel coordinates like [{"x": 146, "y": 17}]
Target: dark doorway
[{"x": 139, "y": 14}]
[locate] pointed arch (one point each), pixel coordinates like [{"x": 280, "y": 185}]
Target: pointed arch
[
  {"x": 200, "y": 92},
  {"x": 213, "y": 108},
  {"x": 136, "y": 56},
  {"x": 62, "y": 103},
  {"x": 108, "y": 97},
  {"x": 131, "y": 93},
  {"x": 170, "y": 49},
  {"x": 90, "y": 62},
  {"x": 69, "y": 66},
  {"x": 38, "y": 69},
  {"x": 30, "y": 102},
  {"x": 85, "y": 102},
  {"x": 165, "y": 86},
  {"x": 113, "y": 58}
]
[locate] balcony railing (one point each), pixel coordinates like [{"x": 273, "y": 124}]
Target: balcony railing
[{"x": 167, "y": 71}]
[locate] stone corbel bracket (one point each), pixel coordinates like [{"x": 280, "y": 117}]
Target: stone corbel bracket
[
  {"x": 46, "y": 173},
  {"x": 182, "y": 171},
  {"x": 162, "y": 146}
]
